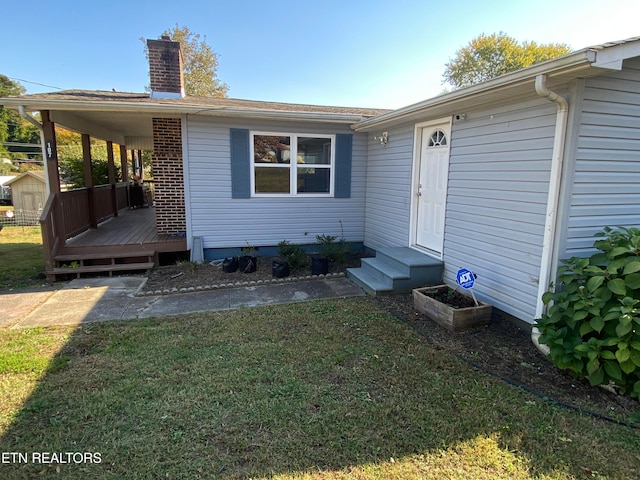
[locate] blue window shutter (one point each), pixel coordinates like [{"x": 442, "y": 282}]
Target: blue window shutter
[
  {"x": 344, "y": 144},
  {"x": 240, "y": 164}
]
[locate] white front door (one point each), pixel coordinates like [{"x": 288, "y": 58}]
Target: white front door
[{"x": 431, "y": 190}]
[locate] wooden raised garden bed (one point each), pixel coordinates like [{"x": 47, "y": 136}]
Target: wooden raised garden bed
[{"x": 450, "y": 309}]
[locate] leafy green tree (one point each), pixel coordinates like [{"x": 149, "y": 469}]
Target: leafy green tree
[
  {"x": 200, "y": 63},
  {"x": 71, "y": 160},
  {"x": 5, "y": 168},
  {"x": 8, "y": 118},
  {"x": 489, "y": 56},
  {"x": 12, "y": 127},
  {"x": 72, "y": 170}
]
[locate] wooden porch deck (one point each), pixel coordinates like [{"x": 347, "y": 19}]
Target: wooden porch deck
[
  {"x": 130, "y": 228},
  {"x": 128, "y": 242}
]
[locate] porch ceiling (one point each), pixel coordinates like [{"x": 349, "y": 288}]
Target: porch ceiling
[{"x": 132, "y": 129}]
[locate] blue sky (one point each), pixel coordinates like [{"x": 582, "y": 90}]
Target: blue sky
[{"x": 365, "y": 53}]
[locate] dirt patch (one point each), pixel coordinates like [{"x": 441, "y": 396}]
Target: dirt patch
[
  {"x": 188, "y": 276},
  {"x": 450, "y": 297}
]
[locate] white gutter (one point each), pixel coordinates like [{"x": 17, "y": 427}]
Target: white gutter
[
  {"x": 546, "y": 266},
  {"x": 34, "y": 122}
]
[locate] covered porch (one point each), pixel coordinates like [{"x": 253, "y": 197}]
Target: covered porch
[{"x": 102, "y": 228}]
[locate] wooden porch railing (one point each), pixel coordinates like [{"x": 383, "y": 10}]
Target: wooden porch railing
[
  {"x": 75, "y": 212},
  {"x": 67, "y": 214},
  {"x": 102, "y": 201},
  {"x": 51, "y": 226},
  {"x": 122, "y": 195}
]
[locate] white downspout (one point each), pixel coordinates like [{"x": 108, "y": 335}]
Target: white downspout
[
  {"x": 37, "y": 124},
  {"x": 546, "y": 266}
]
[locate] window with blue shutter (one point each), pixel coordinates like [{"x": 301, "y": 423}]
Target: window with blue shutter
[{"x": 282, "y": 164}]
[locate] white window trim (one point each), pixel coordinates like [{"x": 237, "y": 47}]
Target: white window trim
[{"x": 293, "y": 166}]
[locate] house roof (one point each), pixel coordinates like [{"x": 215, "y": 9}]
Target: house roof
[
  {"x": 125, "y": 118},
  {"x": 91, "y": 99},
  {"x": 583, "y": 63},
  {"x": 37, "y": 174}
]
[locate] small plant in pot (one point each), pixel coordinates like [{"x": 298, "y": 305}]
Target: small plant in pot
[
  {"x": 293, "y": 256},
  {"x": 247, "y": 262},
  {"x": 331, "y": 250}
]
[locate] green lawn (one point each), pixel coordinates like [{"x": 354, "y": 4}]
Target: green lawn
[
  {"x": 21, "y": 257},
  {"x": 318, "y": 390}
]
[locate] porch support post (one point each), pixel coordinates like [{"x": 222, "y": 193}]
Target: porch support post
[
  {"x": 141, "y": 165},
  {"x": 123, "y": 163},
  {"x": 51, "y": 148},
  {"x": 112, "y": 178},
  {"x": 88, "y": 178}
]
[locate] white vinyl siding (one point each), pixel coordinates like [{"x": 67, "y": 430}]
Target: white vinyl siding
[
  {"x": 496, "y": 203},
  {"x": 606, "y": 178},
  {"x": 498, "y": 187},
  {"x": 224, "y": 222},
  {"x": 389, "y": 189}
]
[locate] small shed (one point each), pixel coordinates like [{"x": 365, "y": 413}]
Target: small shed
[{"x": 28, "y": 192}]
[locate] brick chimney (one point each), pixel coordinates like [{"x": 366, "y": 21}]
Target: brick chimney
[{"x": 165, "y": 68}]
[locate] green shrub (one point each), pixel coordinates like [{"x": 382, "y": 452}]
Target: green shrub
[
  {"x": 294, "y": 255},
  {"x": 333, "y": 249},
  {"x": 592, "y": 327}
]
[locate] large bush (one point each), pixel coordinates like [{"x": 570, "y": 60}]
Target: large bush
[{"x": 592, "y": 326}]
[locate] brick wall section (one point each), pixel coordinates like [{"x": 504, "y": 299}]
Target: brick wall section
[
  {"x": 165, "y": 66},
  {"x": 168, "y": 175}
]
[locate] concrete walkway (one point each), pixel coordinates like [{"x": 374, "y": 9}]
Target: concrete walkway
[{"x": 102, "y": 299}]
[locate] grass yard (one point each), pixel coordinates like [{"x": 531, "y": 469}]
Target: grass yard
[
  {"x": 322, "y": 390},
  {"x": 21, "y": 257}
]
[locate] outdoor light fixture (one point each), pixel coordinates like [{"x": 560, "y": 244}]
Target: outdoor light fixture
[{"x": 383, "y": 139}]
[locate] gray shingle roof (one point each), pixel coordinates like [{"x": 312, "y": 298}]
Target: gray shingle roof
[{"x": 205, "y": 102}]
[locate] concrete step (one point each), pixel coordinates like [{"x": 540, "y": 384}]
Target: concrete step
[
  {"x": 397, "y": 269},
  {"x": 369, "y": 282}
]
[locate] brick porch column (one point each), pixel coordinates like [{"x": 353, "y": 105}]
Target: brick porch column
[{"x": 168, "y": 176}]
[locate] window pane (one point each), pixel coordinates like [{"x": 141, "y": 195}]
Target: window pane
[
  {"x": 271, "y": 149},
  {"x": 313, "y": 180},
  {"x": 314, "y": 151},
  {"x": 272, "y": 180}
]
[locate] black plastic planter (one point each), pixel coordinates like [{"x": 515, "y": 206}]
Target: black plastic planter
[
  {"x": 279, "y": 269},
  {"x": 247, "y": 264},
  {"x": 230, "y": 265},
  {"x": 319, "y": 266}
]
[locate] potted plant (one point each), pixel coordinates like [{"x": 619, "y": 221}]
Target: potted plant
[
  {"x": 293, "y": 256},
  {"x": 230, "y": 264},
  {"x": 280, "y": 268},
  {"x": 451, "y": 308},
  {"x": 247, "y": 262},
  {"x": 330, "y": 250}
]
